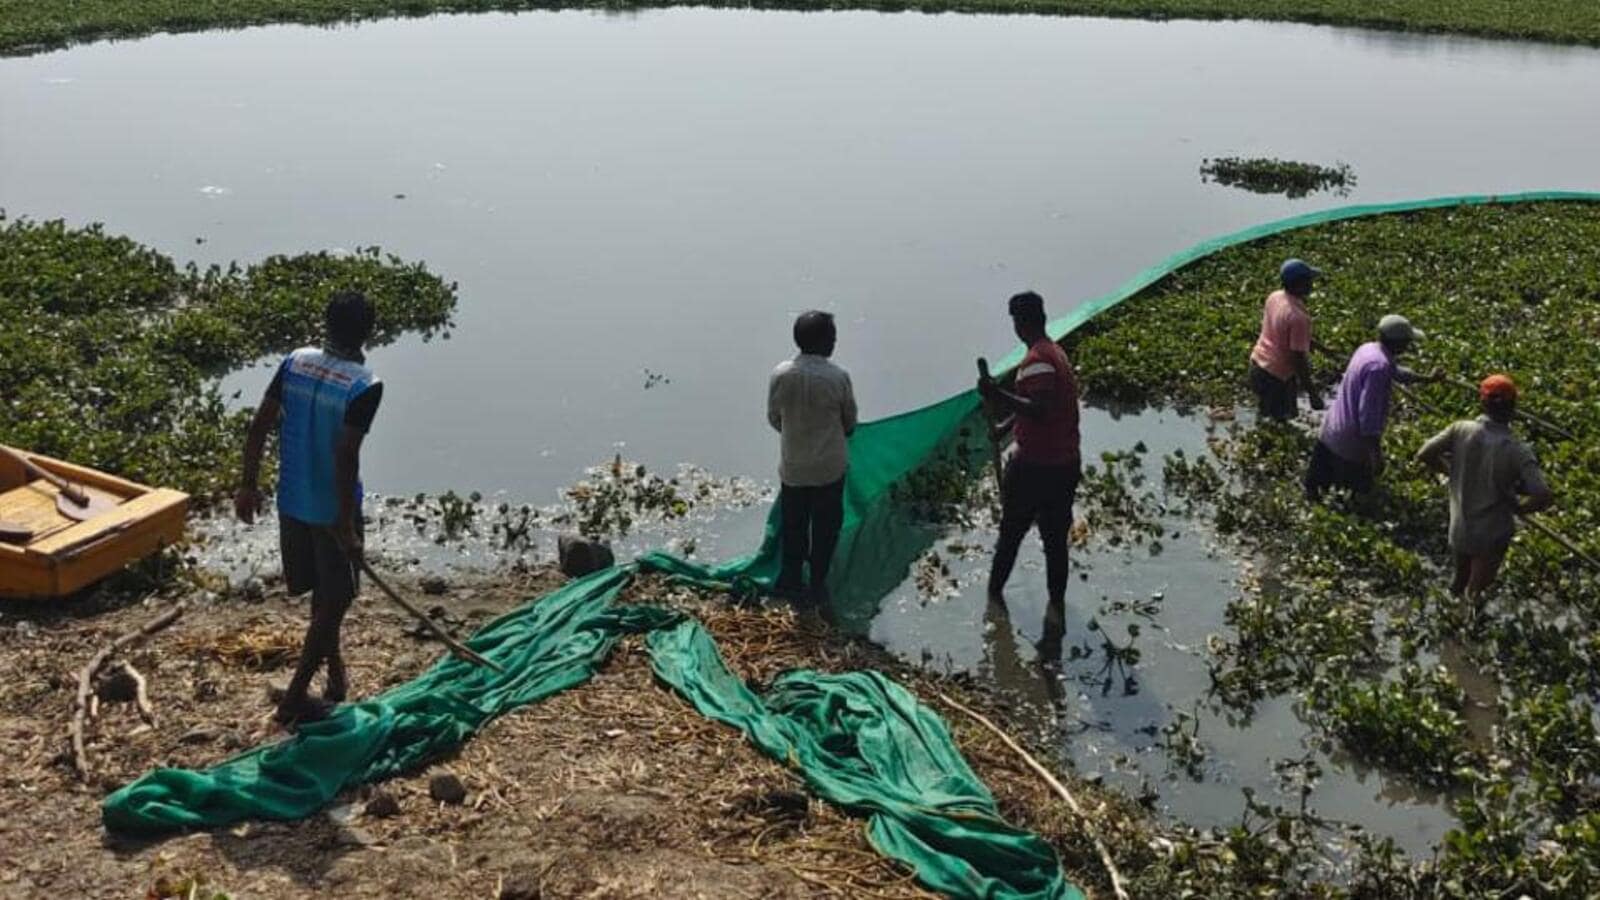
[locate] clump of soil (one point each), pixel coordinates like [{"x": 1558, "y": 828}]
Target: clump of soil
[{"x": 614, "y": 789}]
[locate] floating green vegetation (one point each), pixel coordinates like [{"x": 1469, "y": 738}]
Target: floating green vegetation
[
  {"x": 30, "y": 26},
  {"x": 1351, "y": 616},
  {"x": 112, "y": 352},
  {"x": 1278, "y": 176},
  {"x": 1115, "y": 502}
]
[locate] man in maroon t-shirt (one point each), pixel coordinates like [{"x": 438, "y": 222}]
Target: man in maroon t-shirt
[{"x": 1041, "y": 480}]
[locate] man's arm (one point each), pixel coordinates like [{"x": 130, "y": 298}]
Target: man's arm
[
  {"x": 247, "y": 499},
  {"x": 1372, "y": 414},
  {"x": 847, "y": 411},
  {"x": 1537, "y": 496},
  {"x": 346, "y": 472},
  {"x": 1033, "y": 404},
  {"x": 1433, "y": 454},
  {"x": 1302, "y": 374},
  {"x": 347, "y": 464},
  {"x": 774, "y": 407},
  {"x": 1406, "y": 375},
  {"x": 1300, "y": 345},
  {"x": 1034, "y": 396}
]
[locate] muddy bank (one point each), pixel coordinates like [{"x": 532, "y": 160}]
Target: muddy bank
[{"x": 616, "y": 788}]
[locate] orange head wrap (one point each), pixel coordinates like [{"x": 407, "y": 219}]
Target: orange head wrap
[{"x": 1498, "y": 387}]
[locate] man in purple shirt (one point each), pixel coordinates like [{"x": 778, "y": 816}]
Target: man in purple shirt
[{"x": 1349, "y": 451}]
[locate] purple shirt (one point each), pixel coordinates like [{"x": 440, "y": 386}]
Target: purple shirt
[{"x": 1359, "y": 411}]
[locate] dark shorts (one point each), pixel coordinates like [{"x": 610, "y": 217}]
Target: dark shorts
[
  {"x": 1276, "y": 398},
  {"x": 1042, "y": 495},
  {"x": 313, "y": 561},
  {"x": 1330, "y": 470}
]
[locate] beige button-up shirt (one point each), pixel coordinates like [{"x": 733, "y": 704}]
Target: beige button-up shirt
[{"x": 811, "y": 404}]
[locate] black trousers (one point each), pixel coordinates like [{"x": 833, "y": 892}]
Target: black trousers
[
  {"x": 1330, "y": 470},
  {"x": 1276, "y": 398},
  {"x": 1033, "y": 494},
  {"x": 812, "y": 517}
]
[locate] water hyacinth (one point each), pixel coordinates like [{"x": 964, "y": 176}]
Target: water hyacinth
[
  {"x": 1278, "y": 176},
  {"x": 112, "y": 351},
  {"x": 1355, "y": 622}
]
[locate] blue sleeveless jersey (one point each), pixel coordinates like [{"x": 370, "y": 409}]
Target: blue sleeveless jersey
[{"x": 317, "y": 388}]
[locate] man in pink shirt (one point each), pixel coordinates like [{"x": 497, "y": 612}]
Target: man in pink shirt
[{"x": 1280, "y": 364}]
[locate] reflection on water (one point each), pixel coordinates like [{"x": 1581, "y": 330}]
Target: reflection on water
[
  {"x": 1480, "y": 690},
  {"x": 1033, "y": 681},
  {"x": 1119, "y": 676}
]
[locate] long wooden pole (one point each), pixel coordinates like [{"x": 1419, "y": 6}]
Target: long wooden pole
[
  {"x": 1561, "y": 539},
  {"x": 459, "y": 649},
  {"x": 68, "y": 490},
  {"x": 1522, "y": 413},
  {"x": 994, "y": 436},
  {"x": 1055, "y": 784}
]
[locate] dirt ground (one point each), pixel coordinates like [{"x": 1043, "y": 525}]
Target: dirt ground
[{"x": 614, "y": 789}]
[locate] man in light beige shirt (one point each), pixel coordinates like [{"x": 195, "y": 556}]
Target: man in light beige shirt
[
  {"x": 812, "y": 406},
  {"x": 1493, "y": 478}
]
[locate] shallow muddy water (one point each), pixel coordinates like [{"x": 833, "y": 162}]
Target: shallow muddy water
[
  {"x": 636, "y": 205},
  {"x": 1165, "y": 604}
]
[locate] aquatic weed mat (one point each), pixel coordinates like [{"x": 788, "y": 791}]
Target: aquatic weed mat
[
  {"x": 30, "y": 27},
  {"x": 1357, "y": 626},
  {"x": 112, "y": 350}
]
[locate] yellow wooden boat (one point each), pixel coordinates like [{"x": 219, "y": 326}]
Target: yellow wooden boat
[{"x": 45, "y": 553}]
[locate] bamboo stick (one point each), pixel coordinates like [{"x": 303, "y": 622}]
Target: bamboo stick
[
  {"x": 1561, "y": 539},
  {"x": 1522, "y": 413},
  {"x": 994, "y": 432},
  {"x": 459, "y": 649},
  {"x": 1055, "y": 784}
]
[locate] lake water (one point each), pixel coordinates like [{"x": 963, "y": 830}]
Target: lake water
[
  {"x": 663, "y": 190},
  {"x": 626, "y": 196}
]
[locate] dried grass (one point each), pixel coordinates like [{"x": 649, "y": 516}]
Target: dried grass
[{"x": 616, "y": 779}]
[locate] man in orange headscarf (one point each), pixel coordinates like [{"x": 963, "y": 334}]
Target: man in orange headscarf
[{"x": 1494, "y": 478}]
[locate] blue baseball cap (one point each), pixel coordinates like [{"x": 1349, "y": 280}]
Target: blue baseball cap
[{"x": 1297, "y": 270}]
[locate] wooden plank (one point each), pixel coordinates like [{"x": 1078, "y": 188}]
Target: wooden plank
[
  {"x": 22, "y": 579},
  {"x": 34, "y": 507},
  {"x": 133, "y": 510}
]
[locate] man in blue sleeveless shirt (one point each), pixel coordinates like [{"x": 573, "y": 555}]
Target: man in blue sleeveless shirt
[{"x": 322, "y": 402}]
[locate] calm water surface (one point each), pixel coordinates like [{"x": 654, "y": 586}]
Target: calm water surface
[
  {"x": 664, "y": 190},
  {"x": 658, "y": 193}
]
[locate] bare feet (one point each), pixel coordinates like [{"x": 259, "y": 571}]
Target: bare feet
[
  {"x": 291, "y": 713},
  {"x": 338, "y": 688}
]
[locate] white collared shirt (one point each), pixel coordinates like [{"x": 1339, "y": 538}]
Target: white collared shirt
[{"x": 811, "y": 404}]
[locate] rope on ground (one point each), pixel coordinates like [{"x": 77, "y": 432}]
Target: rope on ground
[
  {"x": 80, "y": 705},
  {"x": 1056, "y": 785}
]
